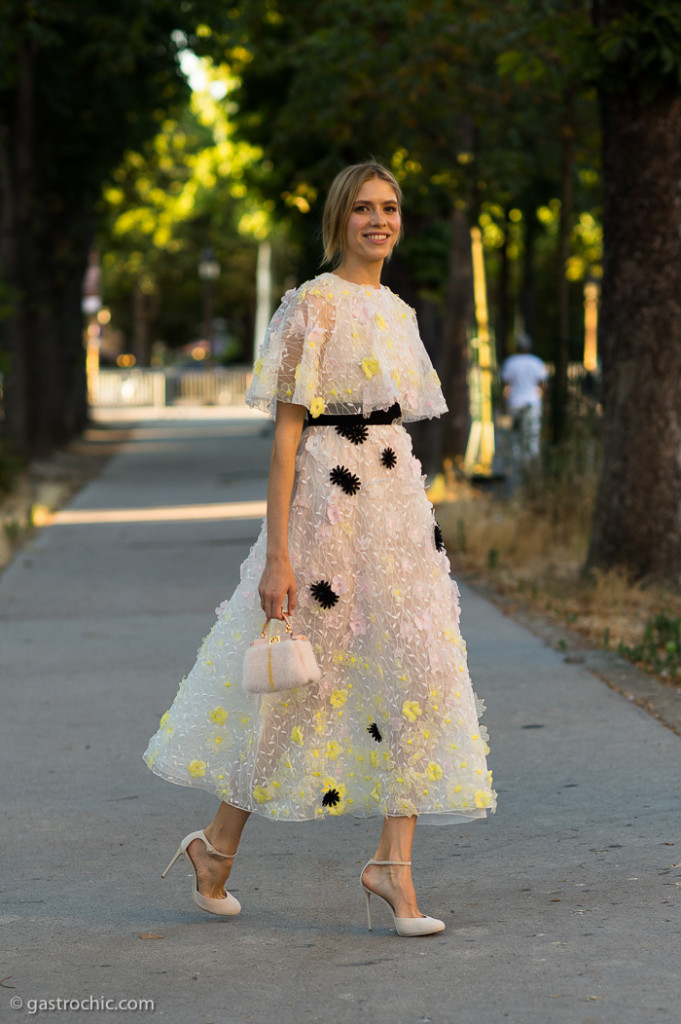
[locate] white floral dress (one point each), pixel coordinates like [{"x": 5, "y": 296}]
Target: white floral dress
[{"x": 392, "y": 729}]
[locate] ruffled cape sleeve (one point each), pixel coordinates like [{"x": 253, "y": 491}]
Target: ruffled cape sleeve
[{"x": 287, "y": 367}]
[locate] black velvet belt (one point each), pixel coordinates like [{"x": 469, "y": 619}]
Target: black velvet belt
[{"x": 378, "y": 416}]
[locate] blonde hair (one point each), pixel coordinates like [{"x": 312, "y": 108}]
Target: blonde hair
[{"x": 338, "y": 205}]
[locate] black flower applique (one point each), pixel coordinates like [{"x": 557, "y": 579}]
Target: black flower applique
[
  {"x": 374, "y": 732},
  {"x": 323, "y": 593},
  {"x": 439, "y": 539},
  {"x": 331, "y": 798},
  {"x": 388, "y": 458},
  {"x": 344, "y": 479},
  {"x": 355, "y": 432}
]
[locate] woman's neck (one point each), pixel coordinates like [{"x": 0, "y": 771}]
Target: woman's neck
[{"x": 360, "y": 272}]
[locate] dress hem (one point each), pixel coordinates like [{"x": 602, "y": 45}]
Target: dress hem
[{"x": 429, "y": 817}]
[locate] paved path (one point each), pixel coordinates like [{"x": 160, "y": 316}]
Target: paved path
[{"x": 562, "y": 909}]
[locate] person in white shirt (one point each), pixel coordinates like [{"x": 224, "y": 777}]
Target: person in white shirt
[{"x": 524, "y": 377}]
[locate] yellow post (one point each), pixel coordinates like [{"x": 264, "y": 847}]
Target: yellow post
[
  {"x": 480, "y": 448},
  {"x": 591, "y": 290}
]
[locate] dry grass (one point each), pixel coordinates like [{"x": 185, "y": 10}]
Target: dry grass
[{"x": 532, "y": 547}]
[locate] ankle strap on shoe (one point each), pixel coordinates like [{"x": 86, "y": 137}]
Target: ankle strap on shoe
[
  {"x": 216, "y": 853},
  {"x": 397, "y": 863}
]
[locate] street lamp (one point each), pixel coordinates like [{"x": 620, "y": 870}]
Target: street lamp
[{"x": 209, "y": 271}]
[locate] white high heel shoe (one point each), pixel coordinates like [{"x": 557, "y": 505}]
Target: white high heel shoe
[
  {"x": 225, "y": 907},
  {"x": 405, "y": 926}
]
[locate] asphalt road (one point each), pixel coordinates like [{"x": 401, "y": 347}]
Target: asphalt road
[{"x": 563, "y": 908}]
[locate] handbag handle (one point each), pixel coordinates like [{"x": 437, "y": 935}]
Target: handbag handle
[{"x": 275, "y": 639}]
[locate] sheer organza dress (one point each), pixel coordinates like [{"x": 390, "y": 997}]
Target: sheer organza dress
[{"x": 392, "y": 729}]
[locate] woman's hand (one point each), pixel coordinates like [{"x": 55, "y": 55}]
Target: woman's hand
[{"x": 276, "y": 583}]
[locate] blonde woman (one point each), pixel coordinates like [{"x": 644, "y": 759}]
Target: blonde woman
[{"x": 351, "y": 547}]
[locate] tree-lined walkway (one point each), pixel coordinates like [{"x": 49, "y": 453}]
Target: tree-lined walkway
[{"x": 562, "y": 908}]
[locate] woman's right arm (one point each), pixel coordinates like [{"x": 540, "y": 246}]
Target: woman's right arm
[{"x": 278, "y": 580}]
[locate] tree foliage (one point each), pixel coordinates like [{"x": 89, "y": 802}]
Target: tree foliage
[
  {"x": 81, "y": 82},
  {"x": 186, "y": 191},
  {"x": 465, "y": 100}
]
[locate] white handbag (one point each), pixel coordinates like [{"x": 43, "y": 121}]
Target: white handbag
[{"x": 277, "y": 662}]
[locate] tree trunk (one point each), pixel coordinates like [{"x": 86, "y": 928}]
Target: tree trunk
[
  {"x": 17, "y": 187},
  {"x": 637, "y": 522},
  {"x": 455, "y": 349}
]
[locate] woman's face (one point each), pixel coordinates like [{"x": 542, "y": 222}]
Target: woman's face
[{"x": 374, "y": 223}]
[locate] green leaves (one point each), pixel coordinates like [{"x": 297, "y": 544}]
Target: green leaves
[{"x": 641, "y": 47}]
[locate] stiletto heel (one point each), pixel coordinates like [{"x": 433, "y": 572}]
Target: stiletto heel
[
  {"x": 408, "y": 927},
  {"x": 367, "y": 897},
  {"x": 227, "y": 906}
]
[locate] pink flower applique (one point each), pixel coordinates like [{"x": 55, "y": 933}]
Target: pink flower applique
[
  {"x": 334, "y": 514},
  {"x": 362, "y": 311},
  {"x": 423, "y": 621},
  {"x": 301, "y": 500},
  {"x": 358, "y": 624},
  {"x": 316, "y": 336},
  {"x": 222, "y": 607},
  {"x": 339, "y": 585},
  {"x": 313, "y": 443},
  {"x": 323, "y": 534}
]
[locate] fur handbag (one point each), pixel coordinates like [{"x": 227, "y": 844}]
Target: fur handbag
[{"x": 279, "y": 662}]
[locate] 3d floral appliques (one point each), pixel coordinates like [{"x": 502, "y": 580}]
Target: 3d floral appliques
[
  {"x": 411, "y": 710},
  {"x": 370, "y": 367},
  {"x": 388, "y": 458},
  {"x": 355, "y": 432},
  {"x": 324, "y": 594},
  {"x": 317, "y": 407},
  {"x": 374, "y": 732},
  {"x": 343, "y": 478},
  {"x": 219, "y": 715},
  {"x": 439, "y": 539},
  {"x": 331, "y": 798}
]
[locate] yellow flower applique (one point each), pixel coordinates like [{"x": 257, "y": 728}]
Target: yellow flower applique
[
  {"x": 411, "y": 710},
  {"x": 370, "y": 367},
  {"x": 380, "y": 321},
  {"x": 297, "y": 735},
  {"x": 482, "y": 799},
  {"x": 434, "y": 771},
  {"x": 218, "y": 715},
  {"x": 339, "y": 698},
  {"x": 333, "y": 749},
  {"x": 197, "y": 769},
  {"x": 317, "y": 407},
  {"x": 262, "y": 794},
  {"x": 257, "y": 368}
]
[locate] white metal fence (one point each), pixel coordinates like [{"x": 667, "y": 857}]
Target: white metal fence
[{"x": 148, "y": 387}]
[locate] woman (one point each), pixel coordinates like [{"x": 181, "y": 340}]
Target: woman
[{"x": 350, "y": 543}]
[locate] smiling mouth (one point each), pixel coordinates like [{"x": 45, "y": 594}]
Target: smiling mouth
[{"x": 377, "y": 238}]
